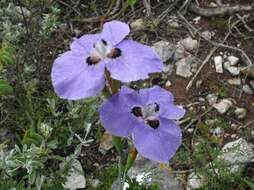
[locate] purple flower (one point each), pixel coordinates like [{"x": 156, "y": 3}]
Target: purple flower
[
  {"x": 79, "y": 73},
  {"x": 148, "y": 117}
]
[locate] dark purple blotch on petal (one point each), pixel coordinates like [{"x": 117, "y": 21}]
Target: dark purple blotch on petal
[
  {"x": 157, "y": 107},
  {"x": 116, "y": 52},
  {"x": 153, "y": 123},
  {"x": 137, "y": 111},
  {"x": 92, "y": 60},
  {"x": 104, "y": 42}
]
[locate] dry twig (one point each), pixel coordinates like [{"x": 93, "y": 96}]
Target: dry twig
[
  {"x": 219, "y": 11},
  {"x": 147, "y": 5},
  {"x": 200, "y": 68}
]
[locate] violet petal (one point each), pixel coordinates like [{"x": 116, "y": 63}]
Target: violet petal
[
  {"x": 135, "y": 63},
  {"x": 73, "y": 79},
  {"x": 157, "y": 144},
  {"x": 114, "y": 32}
]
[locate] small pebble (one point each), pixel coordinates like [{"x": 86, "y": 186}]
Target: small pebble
[
  {"x": 190, "y": 130},
  {"x": 168, "y": 84},
  {"x": 234, "y": 81},
  {"x": 201, "y": 99},
  {"x": 96, "y": 183},
  {"x": 213, "y": 5},
  {"x": 212, "y": 98},
  {"x": 240, "y": 113},
  {"x": 223, "y": 106},
  {"x": 196, "y": 19},
  {"x": 247, "y": 89},
  {"x": 183, "y": 67},
  {"x": 233, "y": 60},
  {"x": 207, "y": 35},
  {"x": 235, "y": 71},
  {"x": 218, "y": 64},
  {"x": 189, "y": 43},
  {"x": 164, "y": 49}
]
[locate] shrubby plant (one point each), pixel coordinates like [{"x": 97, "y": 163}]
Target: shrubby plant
[
  {"x": 50, "y": 22},
  {"x": 6, "y": 58}
]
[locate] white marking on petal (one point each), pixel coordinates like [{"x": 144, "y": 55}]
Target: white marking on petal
[{"x": 101, "y": 49}]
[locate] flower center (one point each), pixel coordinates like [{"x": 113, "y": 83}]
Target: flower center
[
  {"x": 148, "y": 113},
  {"x": 101, "y": 50}
]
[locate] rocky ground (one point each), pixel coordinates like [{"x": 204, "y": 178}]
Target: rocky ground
[{"x": 208, "y": 66}]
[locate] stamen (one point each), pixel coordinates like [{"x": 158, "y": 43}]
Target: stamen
[
  {"x": 116, "y": 52},
  {"x": 137, "y": 111},
  {"x": 153, "y": 123},
  {"x": 92, "y": 60}
]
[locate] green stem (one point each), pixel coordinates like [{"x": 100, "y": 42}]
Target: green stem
[
  {"x": 113, "y": 84},
  {"x": 131, "y": 158},
  {"x": 117, "y": 142}
]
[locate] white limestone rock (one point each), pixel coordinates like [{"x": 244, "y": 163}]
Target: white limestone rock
[
  {"x": 207, "y": 35},
  {"x": 235, "y": 71},
  {"x": 75, "y": 179},
  {"x": 240, "y": 113},
  {"x": 234, "y": 81},
  {"x": 149, "y": 172},
  {"x": 218, "y": 62},
  {"x": 168, "y": 84},
  {"x": 194, "y": 181},
  {"x": 238, "y": 151},
  {"x": 235, "y": 154},
  {"x": 247, "y": 89},
  {"x": 212, "y": 98},
  {"x": 183, "y": 67},
  {"x": 179, "y": 52},
  {"x": 189, "y": 43},
  {"x": 164, "y": 49},
  {"x": 223, "y": 106},
  {"x": 233, "y": 60}
]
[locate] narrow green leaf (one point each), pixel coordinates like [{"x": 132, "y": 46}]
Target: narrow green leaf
[
  {"x": 131, "y": 2},
  {"x": 117, "y": 142},
  {"x": 5, "y": 88},
  {"x": 32, "y": 137}
]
